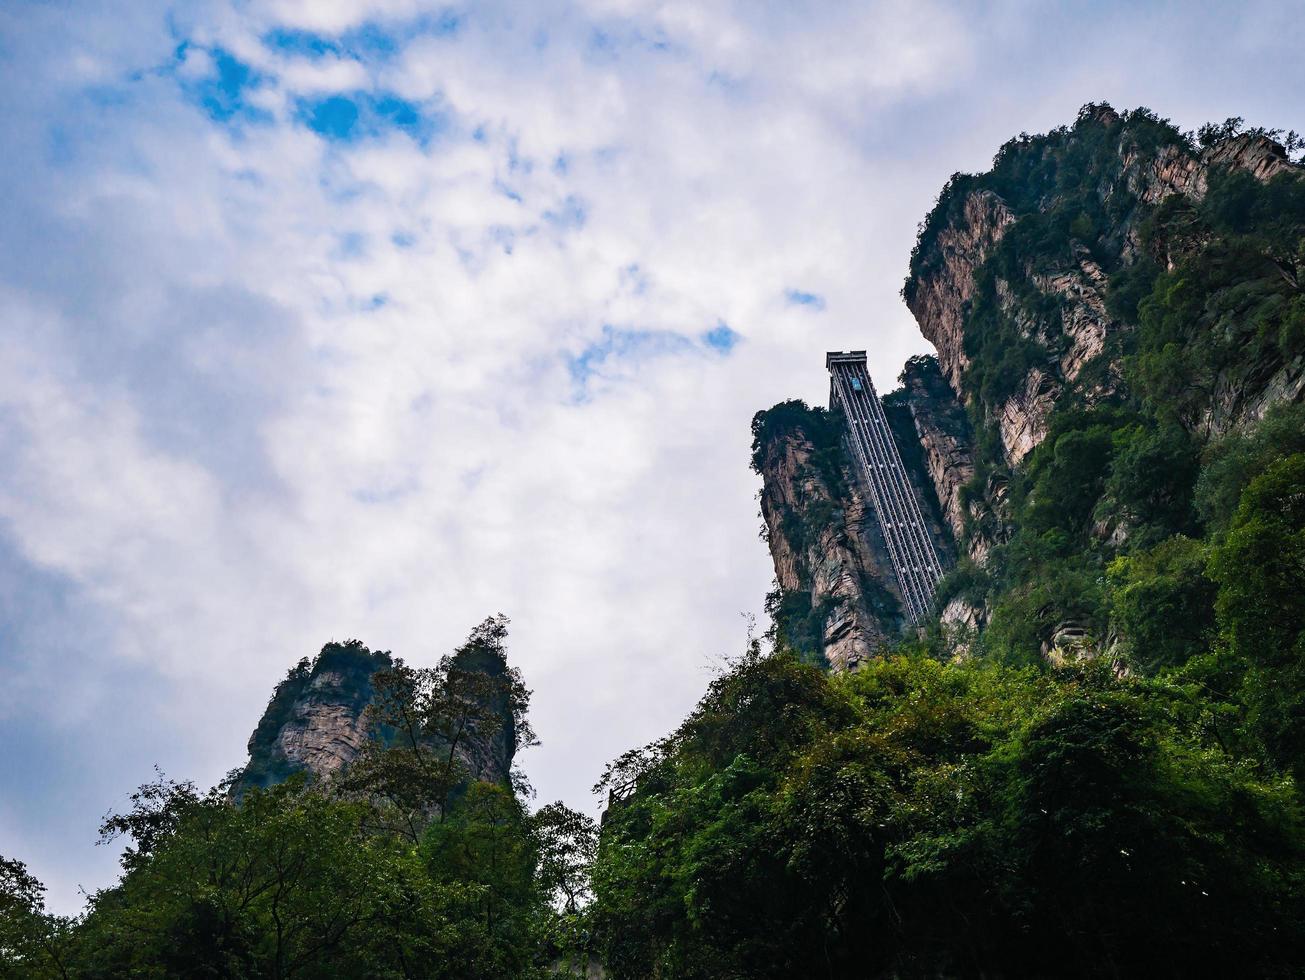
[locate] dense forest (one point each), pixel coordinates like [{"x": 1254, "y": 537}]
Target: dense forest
[{"x": 969, "y": 803}]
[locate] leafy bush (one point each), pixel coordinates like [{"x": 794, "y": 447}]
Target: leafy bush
[{"x": 1162, "y": 603}]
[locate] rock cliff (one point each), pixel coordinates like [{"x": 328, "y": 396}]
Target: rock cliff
[
  {"x": 1036, "y": 309},
  {"x": 1106, "y": 302},
  {"x": 946, "y": 442},
  {"x": 317, "y": 723},
  {"x": 836, "y": 597}
]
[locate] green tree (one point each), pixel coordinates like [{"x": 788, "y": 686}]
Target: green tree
[
  {"x": 918, "y": 818},
  {"x": 1260, "y": 570},
  {"x": 288, "y": 883},
  {"x": 33, "y": 943},
  {"x": 424, "y": 721},
  {"x": 485, "y": 841},
  {"x": 1162, "y": 603}
]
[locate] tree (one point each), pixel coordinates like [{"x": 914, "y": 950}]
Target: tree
[
  {"x": 567, "y": 842},
  {"x": 1260, "y": 569},
  {"x": 33, "y": 943},
  {"x": 952, "y": 819},
  {"x": 1162, "y": 602},
  {"x": 485, "y": 842},
  {"x": 424, "y": 721}
]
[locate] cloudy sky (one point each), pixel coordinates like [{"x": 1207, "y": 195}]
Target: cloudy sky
[{"x": 327, "y": 319}]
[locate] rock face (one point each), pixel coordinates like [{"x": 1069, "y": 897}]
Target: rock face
[
  {"x": 837, "y": 596},
  {"x": 944, "y": 435},
  {"x": 316, "y": 721},
  {"x": 830, "y": 563},
  {"x": 939, "y": 298},
  {"x": 1057, "y": 303}
]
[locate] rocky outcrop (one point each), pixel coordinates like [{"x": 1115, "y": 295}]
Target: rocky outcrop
[
  {"x": 1246, "y": 395},
  {"x": 939, "y": 300},
  {"x": 1023, "y": 418},
  {"x": 1176, "y": 170},
  {"x": 827, "y": 550},
  {"x": 972, "y": 219},
  {"x": 943, "y": 432},
  {"x": 1085, "y": 323},
  {"x": 317, "y": 722},
  {"x": 837, "y": 594}
]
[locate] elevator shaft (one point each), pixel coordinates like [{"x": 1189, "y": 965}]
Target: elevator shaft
[{"x": 910, "y": 548}]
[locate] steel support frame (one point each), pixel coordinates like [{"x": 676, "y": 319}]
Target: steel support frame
[{"x": 910, "y": 548}]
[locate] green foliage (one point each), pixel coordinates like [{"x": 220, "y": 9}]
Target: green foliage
[
  {"x": 1260, "y": 569},
  {"x": 1150, "y": 488},
  {"x": 424, "y": 720},
  {"x": 1064, "y": 591},
  {"x": 1162, "y": 603},
  {"x": 1129, "y": 285},
  {"x": 567, "y": 842},
  {"x": 1068, "y": 476},
  {"x": 822, "y": 427},
  {"x": 921, "y": 819},
  {"x": 797, "y": 624},
  {"x": 33, "y": 943},
  {"x": 288, "y": 882},
  {"x": 966, "y": 580},
  {"x": 1231, "y": 463},
  {"x": 485, "y": 843}
]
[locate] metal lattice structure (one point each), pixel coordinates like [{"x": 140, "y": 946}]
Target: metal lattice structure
[{"x": 910, "y": 548}]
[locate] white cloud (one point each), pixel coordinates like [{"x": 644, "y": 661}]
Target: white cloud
[{"x": 266, "y": 390}]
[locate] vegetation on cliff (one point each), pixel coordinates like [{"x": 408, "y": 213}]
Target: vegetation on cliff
[{"x": 1111, "y": 526}]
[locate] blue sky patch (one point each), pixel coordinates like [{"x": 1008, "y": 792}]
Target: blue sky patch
[
  {"x": 621, "y": 344},
  {"x": 223, "y": 95},
  {"x": 796, "y": 297},
  {"x": 298, "y": 43},
  {"x": 362, "y": 115},
  {"x": 372, "y": 41},
  {"x": 571, "y": 214},
  {"x": 621, "y": 349},
  {"x": 721, "y": 338},
  {"x": 336, "y": 117}
]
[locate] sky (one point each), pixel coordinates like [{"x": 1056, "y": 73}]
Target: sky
[{"x": 327, "y": 319}]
